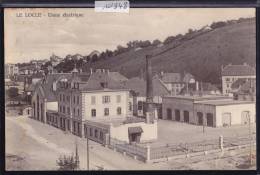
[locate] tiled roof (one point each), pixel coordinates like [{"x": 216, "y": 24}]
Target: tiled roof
[
  {"x": 238, "y": 70},
  {"x": 95, "y": 80},
  {"x": 176, "y": 77},
  {"x": 139, "y": 86},
  {"x": 171, "y": 77},
  {"x": 117, "y": 76},
  {"x": 238, "y": 83}
]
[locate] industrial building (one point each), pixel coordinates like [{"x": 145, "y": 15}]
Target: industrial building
[{"x": 208, "y": 110}]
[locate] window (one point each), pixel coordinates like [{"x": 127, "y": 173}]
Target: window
[
  {"x": 93, "y": 112},
  {"x": 106, "y": 111},
  {"x": 227, "y": 85},
  {"x": 63, "y": 97},
  {"x": 78, "y": 112},
  {"x": 130, "y": 106},
  {"x": 60, "y": 108},
  {"x": 106, "y": 99},
  {"x": 119, "y": 111},
  {"x": 140, "y": 105},
  {"x": 77, "y": 99},
  {"x": 93, "y": 100},
  {"x": 74, "y": 111},
  {"x": 60, "y": 97},
  {"x": 227, "y": 79},
  {"x": 68, "y": 98},
  {"x": 118, "y": 98},
  {"x": 101, "y": 136},
  {"x": 90, "y": 131},
  {"x": 73, "y": 99},
  {"x": 64, "y": 109},
  {"x": 68, "y": 110},
  {"x": 96, "y": 133}
]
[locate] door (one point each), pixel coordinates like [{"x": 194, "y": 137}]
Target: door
[
  {"x": 169, "y": 114},
  {"x": 177, "y": 115},
  {"x": 226, "y": 119},
  {"x": 210, "y": 119},
  {"x": 186, "y": 116},
  {"x": 245, "y": 117},
  {"x": 200, "y": 118}
]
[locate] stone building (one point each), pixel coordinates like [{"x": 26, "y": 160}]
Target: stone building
[
  {"x": 213, "y": 111},
  {"x": 232, "y": 73}
]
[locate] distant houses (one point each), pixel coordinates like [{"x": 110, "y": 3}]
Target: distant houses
[{"x": 232, "y": 73}]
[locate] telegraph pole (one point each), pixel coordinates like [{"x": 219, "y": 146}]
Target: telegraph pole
[{"x": 87, "y": 153}]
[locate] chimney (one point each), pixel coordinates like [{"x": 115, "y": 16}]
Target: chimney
[
  {"x": 149, "y": 80},
  {"x": 150, "y": 112}
]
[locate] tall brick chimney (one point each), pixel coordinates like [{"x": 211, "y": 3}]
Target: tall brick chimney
[{"x": 149, "y": 112}]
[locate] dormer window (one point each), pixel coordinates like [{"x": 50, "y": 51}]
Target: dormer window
[{"x": 104, "y": 84}]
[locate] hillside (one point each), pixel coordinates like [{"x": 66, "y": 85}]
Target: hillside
[{"x": 201, "y": 54}]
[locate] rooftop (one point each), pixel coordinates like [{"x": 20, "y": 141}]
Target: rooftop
[
  {"x": 200, "y": 98},
  {"x": 238, "y": 70},
  {"x": 224, "y": 102}
]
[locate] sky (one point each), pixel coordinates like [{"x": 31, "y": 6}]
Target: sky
[{"x": 28, "y": 38}]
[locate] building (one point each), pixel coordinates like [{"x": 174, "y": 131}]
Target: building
[
  {"x": 175, "y": 82},
  {"x": 44, "y": 97},
  {"x": 138, "y": 94},
  {"x": 208, "y": 110},
  {"x": 11, "y": 70},
  {"x": 96, "y": 106},
  {"x": 232, "y": 73}
]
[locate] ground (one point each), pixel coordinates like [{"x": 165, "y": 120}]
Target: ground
[{"x": 32, "y": 145}]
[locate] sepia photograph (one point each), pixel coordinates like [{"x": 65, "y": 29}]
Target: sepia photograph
[{"x": 139, "y": 89}]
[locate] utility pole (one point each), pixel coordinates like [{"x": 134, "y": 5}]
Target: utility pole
[{"x": 87, "y": 152}]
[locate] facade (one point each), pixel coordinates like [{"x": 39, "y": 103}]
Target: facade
[
  {"x": 175, "y": 82},
  {"x": 44, "y": 97},
  {"x": 95, "y": 106},
  {"x": 213, "y": 111},
  {"x": 232, "y": 73}
]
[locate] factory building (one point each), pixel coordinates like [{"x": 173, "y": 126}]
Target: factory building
[{"x": 210, "y": 110}]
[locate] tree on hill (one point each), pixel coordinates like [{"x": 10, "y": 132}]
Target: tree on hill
[{"x": 156, "y": 42}]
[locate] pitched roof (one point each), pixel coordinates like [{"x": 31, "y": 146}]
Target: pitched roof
[
  {"x": 117, "y": 76},
  {"x": 95, "y": 79},
  {"x": 139, "y": 86},
  {"x": 176, "y": 77},
  {"x": 171, "y": 77},
  {"x": 238, "y": 70}
]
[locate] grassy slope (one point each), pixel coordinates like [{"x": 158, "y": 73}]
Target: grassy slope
[{"x": 202, "y": 55}]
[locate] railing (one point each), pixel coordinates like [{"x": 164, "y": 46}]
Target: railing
[
  {"x": 171, "y": 150},
  {"x": 130, "y": 149}
]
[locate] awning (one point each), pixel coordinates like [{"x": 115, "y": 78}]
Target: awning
[{"x": 132, "y": 130}]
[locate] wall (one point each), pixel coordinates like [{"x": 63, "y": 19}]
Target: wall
[
  {"x": 99, "y": 106},
  {"x": 179, "y": 104},
  {"x": 236, "y": 112},
  {"x": 232, "y": 80},
  {"x": 121, "y": 132},
  {"x": 52, "y": 106},
  {"x": 204, "y": 109}
]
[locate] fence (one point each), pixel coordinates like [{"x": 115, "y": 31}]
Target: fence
[
  {"x": 134, "y": 150},
  {"x": 171, "y": 150},
  {"x": 155, "y": 152}
]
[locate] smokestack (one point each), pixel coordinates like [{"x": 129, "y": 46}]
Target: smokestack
[
  {"x": 150, "y": 113},
  {"x": 149, "y": 80}
]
